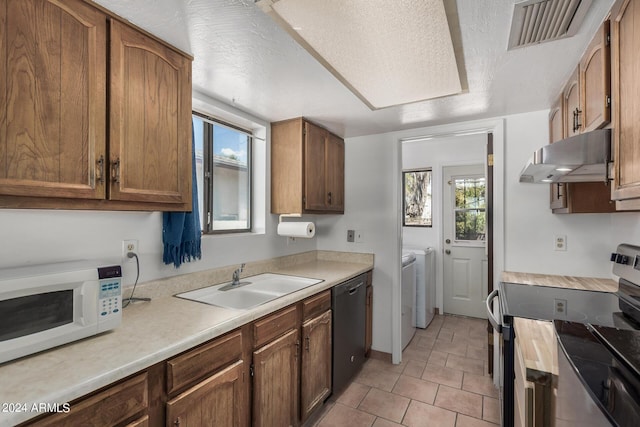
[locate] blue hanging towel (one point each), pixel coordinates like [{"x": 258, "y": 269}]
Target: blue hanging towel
[{"x": 181, "y": 233}]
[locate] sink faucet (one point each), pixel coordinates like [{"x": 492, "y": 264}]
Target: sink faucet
[{"x": 236, "y": 275}]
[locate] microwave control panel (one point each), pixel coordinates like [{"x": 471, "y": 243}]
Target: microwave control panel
[{"x": 110, "y": 292}]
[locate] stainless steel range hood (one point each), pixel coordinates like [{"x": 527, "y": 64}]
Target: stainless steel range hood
[{"x": 581, "y": 158}]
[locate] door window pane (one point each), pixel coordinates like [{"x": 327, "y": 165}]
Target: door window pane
[{"x": 470, "y": 215}]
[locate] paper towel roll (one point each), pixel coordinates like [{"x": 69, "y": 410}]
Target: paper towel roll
[{"x": 297, "y": 229}]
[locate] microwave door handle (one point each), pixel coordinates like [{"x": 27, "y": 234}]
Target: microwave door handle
[{"x": 494, "y": 322}]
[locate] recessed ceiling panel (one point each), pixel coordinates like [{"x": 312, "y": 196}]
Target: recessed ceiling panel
[{"x": 387, "y": 52}]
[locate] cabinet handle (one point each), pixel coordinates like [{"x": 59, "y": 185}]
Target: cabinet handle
[
  {"x": 576, "y": 119},
  {"x": 100, "y": 174},
  {"x": 177, "y": 422},
  {"x": 559, "y": 187},
  {"x": 329, "y": 197},
  {"x": 307, "y": 339},
  {"x": 297, "y": 348},
  {"x": 115, "y": 170}
]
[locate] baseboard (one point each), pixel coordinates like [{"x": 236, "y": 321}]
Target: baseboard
[{"x": 379, "y": 355}]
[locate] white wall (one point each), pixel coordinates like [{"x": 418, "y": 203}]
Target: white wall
[
  {"x": 436, "y": 154},
  {"x": 530, "y": 225},
  {"x": 43, "y": 236}
]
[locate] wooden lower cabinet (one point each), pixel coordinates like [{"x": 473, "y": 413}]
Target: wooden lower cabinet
[
  {"x": 275, "y": 382},
  {"x": 315, "y": 377},
  {"x": 113, "y": 406},
  {"x": 216, "y": 401}
]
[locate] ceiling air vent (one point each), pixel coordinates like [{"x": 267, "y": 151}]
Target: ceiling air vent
[{"x": 538, "y": 21}]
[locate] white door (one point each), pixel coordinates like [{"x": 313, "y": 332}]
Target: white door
[{"x": 464, "y": 227}]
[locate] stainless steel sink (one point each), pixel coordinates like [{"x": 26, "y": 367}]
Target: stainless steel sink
[{"x": 261, "y": 288}]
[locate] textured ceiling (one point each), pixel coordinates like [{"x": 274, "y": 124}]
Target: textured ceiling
[{"x": 244, "y": 59}]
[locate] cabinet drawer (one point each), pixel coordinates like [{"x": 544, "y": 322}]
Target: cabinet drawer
[
  {"x": 198, "y": 363},
  {"x": 316, "y": 304},
  {"x": 266, "y": 329},
  {"x": 108, "y": 407}
]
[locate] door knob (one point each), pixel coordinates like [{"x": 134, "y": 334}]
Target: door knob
[
  {"x": 447, "y": 251},
  {"x": 448, "y": 241}
]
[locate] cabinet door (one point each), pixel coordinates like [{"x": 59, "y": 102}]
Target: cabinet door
[
  {"x": 595, "y": 73},
  {"x": 216, "y": 401},
  {"x": 626, "y": 94},
  {"x": 315, "y": 193},
  {"x": 53, "y": 97},
  {"x": 556, "y": 122},
  {"x": 150, "y": 127},
  {"x": 275, "y": 382},
  {"x": 334, "y": 173},
  {"x": 558, "y": 191},
  {"x": 572, "y": 110},
  {"x": 315, "y": 378}
]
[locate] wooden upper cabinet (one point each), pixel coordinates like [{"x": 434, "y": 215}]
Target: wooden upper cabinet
[
  {"x": 595, "y": 82},
  {"x": 307, "y": 168},
  {"x": 626, "y": 94},
  {"x": 571, "y": 105},
  {"x": 315, "y": 163},
  {"x": 67, "y": 67},
  {"x": 334, "y": 163},
  {"x": 150, "y": 110},
  {"x": 556, "y": 121},
  {"x": 53, "y": 98}
]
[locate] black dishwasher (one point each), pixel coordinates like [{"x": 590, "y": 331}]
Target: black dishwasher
[{"x": 348, "y": 302}]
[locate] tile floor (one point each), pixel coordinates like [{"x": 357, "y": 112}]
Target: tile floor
[{"x": 442, "y": 381}]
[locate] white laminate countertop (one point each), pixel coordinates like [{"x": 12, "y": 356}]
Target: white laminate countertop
[{"x": 150, "y": 333}]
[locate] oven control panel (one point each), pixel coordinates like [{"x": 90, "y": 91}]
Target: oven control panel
[{"x": 626, "y": 263}]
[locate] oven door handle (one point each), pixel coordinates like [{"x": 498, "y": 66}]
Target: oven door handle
[{"x": 494, "y": 322}]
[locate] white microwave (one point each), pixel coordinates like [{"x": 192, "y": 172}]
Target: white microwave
[{"x": 45, "y": 306}]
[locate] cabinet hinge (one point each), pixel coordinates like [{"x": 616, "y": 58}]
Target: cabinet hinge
[
  {"x": 608, "y": 100},
  {"x": 251, "y": 369},
  {"x": 608, "y": 39},
  {"x": 490, "y": 160}
]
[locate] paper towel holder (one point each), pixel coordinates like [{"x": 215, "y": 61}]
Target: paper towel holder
[
  {"x": 291, "y": 215},
  {"x": 310, "y": 227}
]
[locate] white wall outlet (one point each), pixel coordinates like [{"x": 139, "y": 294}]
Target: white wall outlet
[
  {"x": 129, "y": 246},
  {"x": 359, "y": 236},
  {"x": 560, "y": 242}
]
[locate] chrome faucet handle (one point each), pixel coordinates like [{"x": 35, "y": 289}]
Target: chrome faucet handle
[{"x": 236, "y": 275}]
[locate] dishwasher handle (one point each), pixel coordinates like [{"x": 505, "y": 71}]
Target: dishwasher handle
[
  {"x": 494, "y": 322},
  {"x": 355, "y": 288}
]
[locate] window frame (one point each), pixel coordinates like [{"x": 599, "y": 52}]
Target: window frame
[
  {"x": 206, "y": 211},
  {"x": 404, "y": 197}
]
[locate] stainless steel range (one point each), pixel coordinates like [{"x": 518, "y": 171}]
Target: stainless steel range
[{"x": 589, "y": 326}]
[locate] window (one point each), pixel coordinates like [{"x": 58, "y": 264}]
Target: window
[
  {"x": 223, "y": 170},
  {"x": 470, "y": 208},
  {"x": 417, "y": 198}
]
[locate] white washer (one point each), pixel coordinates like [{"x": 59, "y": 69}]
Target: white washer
[
  {"x": 408, "y": 297},
  {"x": 425, "y": 286}
]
